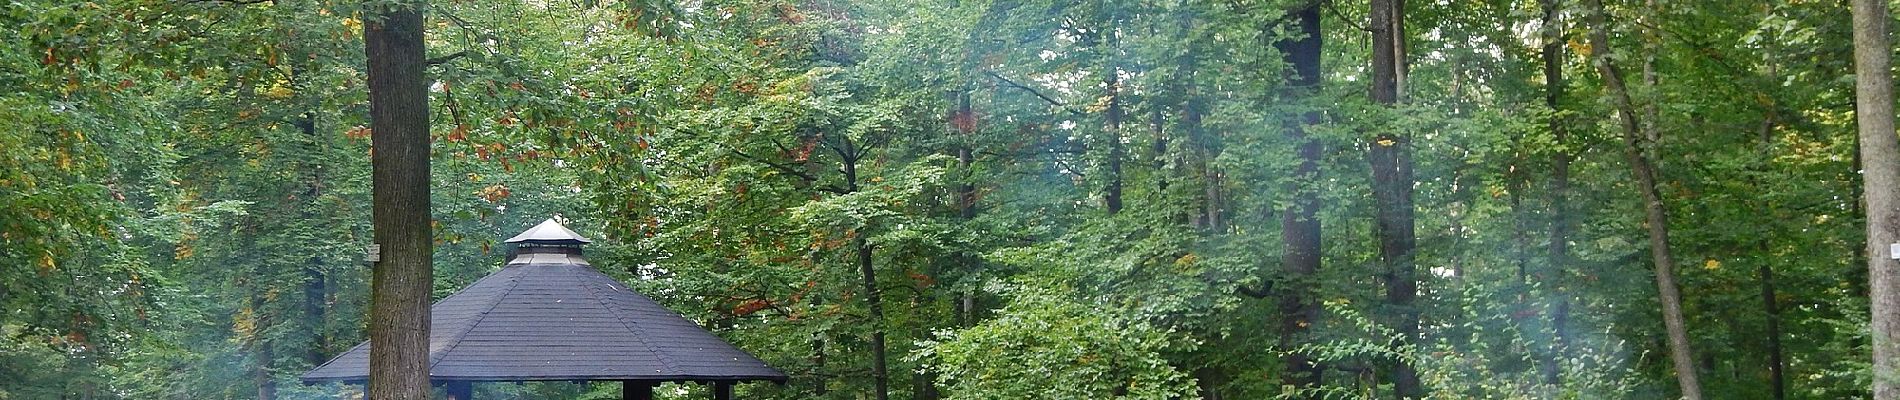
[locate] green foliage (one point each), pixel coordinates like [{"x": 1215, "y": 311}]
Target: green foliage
[
  {"x": 1045, "y": 344},
  {"x": 182, "y": 191}
]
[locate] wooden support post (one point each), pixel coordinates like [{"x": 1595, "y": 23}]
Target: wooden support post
[
  {"x": 636, "y": 390},
  {"x": 722, "y": 390},
  {"x": 460, "y": 390}
]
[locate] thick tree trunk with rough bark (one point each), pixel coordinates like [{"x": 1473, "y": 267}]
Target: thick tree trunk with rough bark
[
  {"x": 1880, "y": 157},
  {"x": 1391, "y": 160},
  {"x": 1299, "y": 225},
  {"x": 399, "y": 131},
  {"x": 1655, "y": 216}
]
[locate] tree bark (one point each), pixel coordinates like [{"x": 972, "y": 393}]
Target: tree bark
[
  {"x": 261, "y": 349},
  {"x": 1300, "y": 225},
  {"x": 1391, "y": 161},
  {"x": 315, "y": 281},
  {"x": 1655, "y": 216},
  {"x": 1112, "y": 121},
  {"x": 1553, "y": 54},
  {"x": 880, "y": 370},
  {"x": 966, "y": 211},
  {"x": 399, "y": 126},
  {"x": 1776, "y": 365},
  {"x": 1765, "y": 142},
  {"x": 1880, "y": 158},
  {"x": 817, "y": 361},
  {"x": 1515, "y": 183}
]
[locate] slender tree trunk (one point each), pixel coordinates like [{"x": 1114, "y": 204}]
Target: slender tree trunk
[
  {"x": 1112, "y": 119},
  {"x": 1655, "y": 215},
  {"x": 315, "y": 288},
  {"x": 1765, "y": 141},
  {"x": 1157, "y": 123},
  {"x": 966, "y": 200},
  {"x": 880, "y": 370},
  {"x": 1776, "y": 366},
  {"x": 313, "y": 309},
  {"x": 1202, "y": 151},
  {"x": 1515, "y": 183},
  {"x": 1652, "y": 40},
  {"x": 818, "y": 361},
  {"x": 399, "y": 126},
  {"x": 1553, "y": 54},
  {"x": 873, "y": 299},
  {"x": 261, "y": 349},
  {"x": 1199, "y": 150},
  {"x": 1391, "y": 159},
  {"x": 1300, "y": 225},
  {"x": 1880, "y": 158}
]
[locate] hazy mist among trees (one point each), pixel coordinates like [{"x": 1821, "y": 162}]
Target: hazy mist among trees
[{"x": 974, "y": 199}]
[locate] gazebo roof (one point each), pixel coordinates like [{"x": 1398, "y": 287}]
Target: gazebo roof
[
  {"x": 548, "y": 315},
  {"x": 549, "y": 232}
]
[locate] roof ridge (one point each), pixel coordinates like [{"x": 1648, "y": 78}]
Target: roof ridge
[
  {"x": 666, "y": 361},
  {"x": 456, "y": 341}
]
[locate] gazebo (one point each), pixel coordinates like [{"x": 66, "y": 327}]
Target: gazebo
[{"x": 549, "y": 316}]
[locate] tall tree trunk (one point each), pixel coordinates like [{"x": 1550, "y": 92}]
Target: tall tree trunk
[
  {"x": 818, "y": 360},
  {"x": 1880, "y": 158},
  {"x": 1158, "y": 146},
  {"x": 1652, "y": 41},
  {"x": 1300, "y": 225},
  {"x": 1203, "y": 148},
  {"x": 1391, "y": 160},
  {"x": 873, "y": 299},
  {"x": 1776, "y": 365},
  {"x": 880, "y": 370},
  {"x": 1516, "y": 182},
  {"x": 1553, "y": 54},
  {"x": 1655, "y": 216},
  {"x": 313, "y": 310},
  {"x": 314, "y": 285},
  {"x": 1765, "y": 142},
  {"x": 399, "y": 126},
  {"x": 966, "y": 198},
  {"x": 260, "y": 344},
  {"x": 1112, "y": 119}
]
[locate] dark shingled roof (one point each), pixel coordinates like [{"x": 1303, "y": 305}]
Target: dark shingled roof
[{"x": 548, "y": 315}]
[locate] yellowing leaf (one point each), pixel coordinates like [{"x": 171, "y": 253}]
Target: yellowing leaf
[
  {"x": 1711, "y": 264},
  {"x": 278, "y": 91}
]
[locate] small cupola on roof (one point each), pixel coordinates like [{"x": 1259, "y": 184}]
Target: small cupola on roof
[{"x": 547, "y": 238}]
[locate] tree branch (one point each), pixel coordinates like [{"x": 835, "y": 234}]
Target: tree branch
[
  {"x": 1051, "y": 100},
  {"x": 1330, "y": 6},
  {"x": 446, "y": 58},
  {"x": 783, "y": 168}
]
